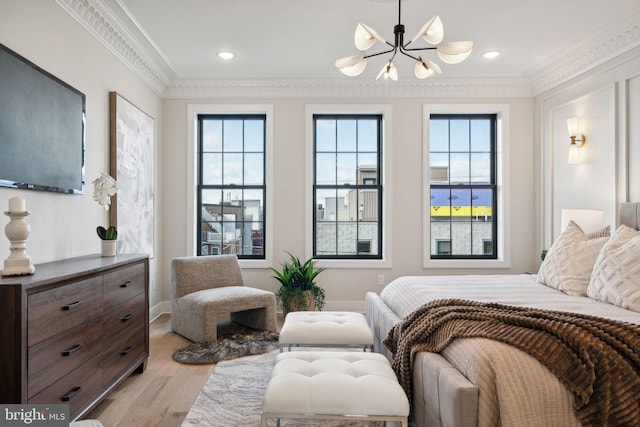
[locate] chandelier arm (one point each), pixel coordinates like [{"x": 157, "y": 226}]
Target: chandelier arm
[
  {"x": 406, "y": 53},
  {"x": 418, "y": 48},
  {"x": 409, "y": 55},
  {"x": 379, "y": 53}
]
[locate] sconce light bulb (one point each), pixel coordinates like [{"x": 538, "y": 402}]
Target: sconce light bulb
[
  {"x": 574, "y": 154},
  {"x": 572, "y": 126}
]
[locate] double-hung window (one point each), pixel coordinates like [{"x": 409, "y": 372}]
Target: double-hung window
[
  {"x": 347, "y": 186},
  {"x": 463, "y": 187},
  {"x": 231, "y": 185}
]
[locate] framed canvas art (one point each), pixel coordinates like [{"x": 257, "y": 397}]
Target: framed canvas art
[{"x": 132, "y": 140}]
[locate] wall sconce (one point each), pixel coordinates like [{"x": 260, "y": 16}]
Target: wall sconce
[{"x": 577, "y": 140}]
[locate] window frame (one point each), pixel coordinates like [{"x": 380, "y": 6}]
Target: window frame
[
  {"x": 502, "y": 259},
  {"x": 353, "y": 187},
  {"x": 201, "y": 187},
  {"x": 495, "y": 219},
  {"x": 192, "y": 226},
  {"x": 386, "y": 153}
]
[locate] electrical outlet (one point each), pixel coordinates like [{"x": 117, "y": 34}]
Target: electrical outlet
[{"x": 380, "y": 279}]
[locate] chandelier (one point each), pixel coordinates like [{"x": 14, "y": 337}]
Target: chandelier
[{"x": 432, "y": 32}]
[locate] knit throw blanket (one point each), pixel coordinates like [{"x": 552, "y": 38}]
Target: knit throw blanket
[{"x": 597, "y": 359}]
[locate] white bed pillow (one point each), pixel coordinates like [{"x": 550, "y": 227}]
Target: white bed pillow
[
  {"x": 616, "y": 274},
  {"x": 569, "y": 262}
]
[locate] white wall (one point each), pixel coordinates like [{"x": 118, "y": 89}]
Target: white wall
[
  {"x": 346, "y": 287},
  {"x": 607, "y": 102},
  {"x": 63, "y": 226}
]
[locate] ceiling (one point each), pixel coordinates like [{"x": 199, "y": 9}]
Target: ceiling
[{"x": 301, "y": 39}]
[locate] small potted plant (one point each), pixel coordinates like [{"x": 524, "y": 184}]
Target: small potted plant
[
  {"x": 104, "y": 188},
  {"x": 298, "y": 290}
]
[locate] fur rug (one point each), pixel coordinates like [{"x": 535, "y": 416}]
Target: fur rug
[
  {"x": 228, "y": 347},
  {"x": 232, "y": 396}
]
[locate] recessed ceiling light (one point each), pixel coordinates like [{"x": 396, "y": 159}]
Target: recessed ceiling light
[
  {"x": 491, "y": 54},
  {"x": 225, "y": 54}
]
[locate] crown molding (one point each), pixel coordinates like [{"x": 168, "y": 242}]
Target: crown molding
[
  {"x": 624, "y": 37},
  {"x": 112, "y": 25},
  {"x": 104, "y": 20},
  {"x": 96, "y": 18},
  {"x": 349, "y": 88}
]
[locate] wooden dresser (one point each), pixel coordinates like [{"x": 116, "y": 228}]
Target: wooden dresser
[{"x": 74, "y": 330}]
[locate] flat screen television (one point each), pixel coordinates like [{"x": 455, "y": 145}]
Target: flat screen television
[{"x": 42, "y": 128}]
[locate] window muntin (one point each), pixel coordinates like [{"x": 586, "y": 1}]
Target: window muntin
[
  {"x": 463, "y": 192},
  {"x": 347, "y": 195},
  {"x": 231, "y": 185}
]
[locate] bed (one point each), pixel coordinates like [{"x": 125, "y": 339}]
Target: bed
[{"x": 483, "y": 382}]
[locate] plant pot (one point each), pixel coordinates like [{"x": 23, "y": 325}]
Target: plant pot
[
  {"x": 296, "y": 303},
  {"x": 109, "y": 247}
]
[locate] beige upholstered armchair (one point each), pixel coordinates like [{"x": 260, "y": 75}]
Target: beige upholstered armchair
[{"x": 204, "y": 287}]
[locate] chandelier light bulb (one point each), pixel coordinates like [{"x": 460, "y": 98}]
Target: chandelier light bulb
[
  {"x": 424, "y": 69},
  {"x": 454, "y": 52},
  {"x": 432, "y": 32},
  {"x": 389, "y": 71},
  {"x": 365, "y": 37},
  {"x": 352, "y": 65}
]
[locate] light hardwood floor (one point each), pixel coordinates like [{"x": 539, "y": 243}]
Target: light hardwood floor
[{"x": 164, "y": 393}]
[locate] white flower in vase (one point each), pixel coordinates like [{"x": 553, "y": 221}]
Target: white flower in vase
[{"x": 104, "y": 188}]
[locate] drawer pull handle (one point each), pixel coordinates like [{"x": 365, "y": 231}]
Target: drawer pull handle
[
  {"x": 72, "y": 305},
  {"x": 127, "y": 284},
  {"x": 126, "y": 351},
  {"x": 127, "y": 317},
  {"x": 67, "y": 397},
  {"x": 72, "y": 350}
]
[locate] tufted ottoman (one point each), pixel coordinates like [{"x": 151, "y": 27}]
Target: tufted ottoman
[
  {"x": 325, "y": 328},
  {"x": 334, "y": 385}
]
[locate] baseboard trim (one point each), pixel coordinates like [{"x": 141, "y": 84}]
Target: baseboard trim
[
  {"x": 357, "y": 306},
  {"x": 159, "y": 309}
]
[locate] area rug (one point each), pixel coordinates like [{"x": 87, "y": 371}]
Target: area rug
[
  {"x": 232, "y": 396},
  {"x": 228, "y": 347}
]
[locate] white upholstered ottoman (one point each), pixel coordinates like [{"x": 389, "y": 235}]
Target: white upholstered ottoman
[
  {"x": 325, "y": 329},
  {"x": 334, "y": 385}
]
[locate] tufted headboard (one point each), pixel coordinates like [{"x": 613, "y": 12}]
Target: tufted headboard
[{"x": 629, "y": 214}]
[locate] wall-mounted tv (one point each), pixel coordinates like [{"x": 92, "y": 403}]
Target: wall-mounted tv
[{"x": 42, "y": 128}]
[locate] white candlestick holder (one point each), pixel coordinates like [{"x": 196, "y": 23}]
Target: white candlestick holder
[{"x": 17, "y": 231}]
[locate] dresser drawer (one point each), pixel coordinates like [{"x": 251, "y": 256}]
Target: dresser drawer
[
  {"x": 124, "y": 335},
  {"x": 77, "y": 389},
  {"x": 120, "y": 319},
  {"x": 55, "y": 310},
  {"x": 119, "y": 354},
  {"x": 54, "y": 358},
  {"x": 123, "y": 284}
]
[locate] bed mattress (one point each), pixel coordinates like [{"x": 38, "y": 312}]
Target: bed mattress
[{"x": 406, "y": 294}]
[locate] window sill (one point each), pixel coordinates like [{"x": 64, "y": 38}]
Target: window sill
[
  {"x": 354, "y": 263},
  {"x": 466, "y": 263}
]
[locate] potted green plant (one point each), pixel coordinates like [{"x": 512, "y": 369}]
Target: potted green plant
[
  {"x": 107, "y": 233},
  {"x": 298, "y": 290}
]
